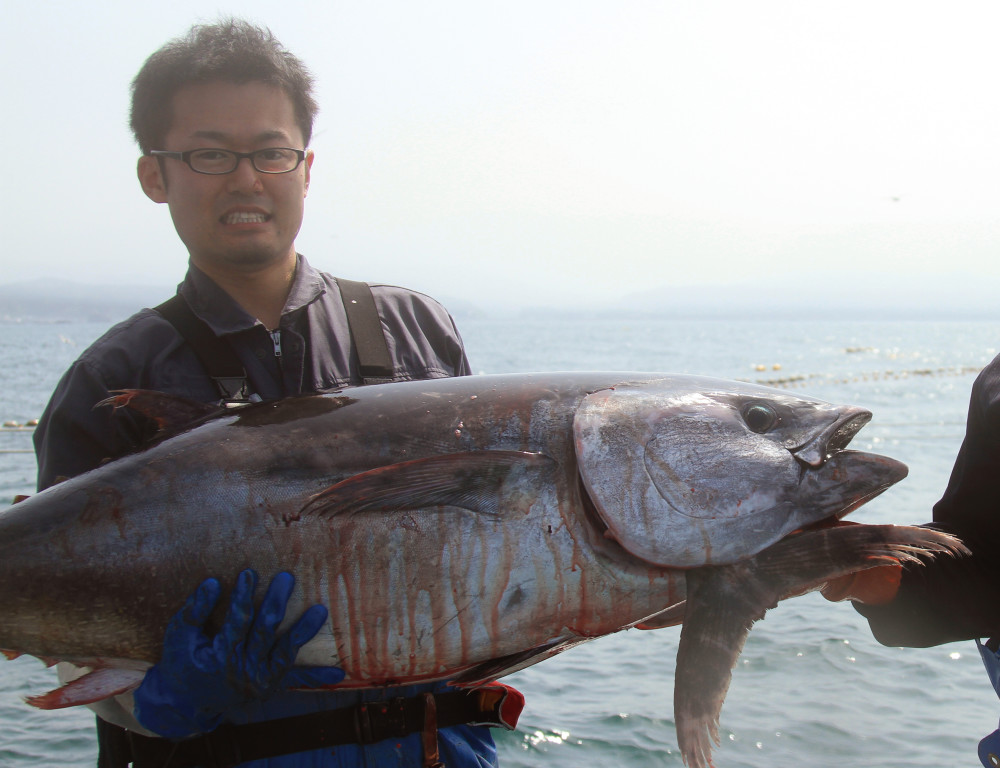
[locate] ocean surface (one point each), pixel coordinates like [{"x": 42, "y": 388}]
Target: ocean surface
[{"x": 811, "y": 688}]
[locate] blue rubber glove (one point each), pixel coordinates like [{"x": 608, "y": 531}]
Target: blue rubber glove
[{"x": 202, "y": 681}]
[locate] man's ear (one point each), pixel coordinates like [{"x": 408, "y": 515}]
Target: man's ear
[
  {"x": 309, "y": 162},
  {"x": 151, "y": 178}
]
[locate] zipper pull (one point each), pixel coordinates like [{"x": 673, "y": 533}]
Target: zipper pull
[{"x": 276, "y": 339}]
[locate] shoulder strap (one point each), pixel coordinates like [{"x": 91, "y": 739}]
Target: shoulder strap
[
  {"x": 366, "y": 331},
  {"x": 217, "y": 356}
]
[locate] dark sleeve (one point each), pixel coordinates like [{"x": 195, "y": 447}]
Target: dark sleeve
[
  {"x": 75, "y": 434},
  {"x": 422, "y": 336},
  {"x": 952, "y": 599},
  {"x": 460, "y": 358}
]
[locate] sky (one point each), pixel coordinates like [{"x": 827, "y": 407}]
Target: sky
[{"x": 546, "y": 152}]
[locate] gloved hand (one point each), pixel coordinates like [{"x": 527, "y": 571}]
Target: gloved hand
[
  {"x": 874, "y": 586},
  {"x": 201, "y": 681}
]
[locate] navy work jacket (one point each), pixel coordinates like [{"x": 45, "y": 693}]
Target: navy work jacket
[{"x": 957, "y": 598}]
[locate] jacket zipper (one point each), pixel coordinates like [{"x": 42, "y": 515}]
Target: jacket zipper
[{"x": 276, "y": 340}]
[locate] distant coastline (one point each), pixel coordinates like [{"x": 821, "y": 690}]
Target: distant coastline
[
  {"x": 62, "y": 301},
  {"x": 782, "y": 297}
]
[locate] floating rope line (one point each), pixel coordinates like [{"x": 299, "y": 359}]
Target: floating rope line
[
  {"x": 790, "y": 382},
  {"x": 15, "y": 427}
]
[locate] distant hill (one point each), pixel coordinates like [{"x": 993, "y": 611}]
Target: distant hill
[
  {"x": 810, "y": 296},
  {"x": 819, "y": 295},
  {"x": 63, "y": 301},
  {"x": 57, "y": 301}
]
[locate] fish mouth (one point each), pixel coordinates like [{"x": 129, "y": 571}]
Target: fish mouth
[
  {"x": 845, "y": 481},
  {"x": 833, "y": 439}
]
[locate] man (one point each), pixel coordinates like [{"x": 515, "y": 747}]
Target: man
[
  {"x": 949, "y": 599},
  {"x": 223, "y": 117}
]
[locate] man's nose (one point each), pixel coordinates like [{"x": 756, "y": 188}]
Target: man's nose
[{"x": 244, "y": 176}]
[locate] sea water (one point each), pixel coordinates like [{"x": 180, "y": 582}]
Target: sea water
[{"x": 811, "y": 687}]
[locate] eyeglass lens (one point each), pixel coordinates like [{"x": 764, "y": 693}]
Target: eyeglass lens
[{"x": 271, "y": 160}]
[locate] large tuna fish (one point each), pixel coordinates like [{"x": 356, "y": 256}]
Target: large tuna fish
[{"x": 460, "y": 528}]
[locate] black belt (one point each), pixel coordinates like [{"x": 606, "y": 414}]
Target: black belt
[{"x": 367, "y": 723}]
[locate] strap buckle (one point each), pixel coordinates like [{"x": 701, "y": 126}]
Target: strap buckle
[
  {"x": 429, "y": 733},
  {"x": 379, "y": 720}
]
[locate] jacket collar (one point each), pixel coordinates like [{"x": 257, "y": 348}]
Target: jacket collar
[{"x": 221, "y": 312}]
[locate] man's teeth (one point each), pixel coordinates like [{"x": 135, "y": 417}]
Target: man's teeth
[{"x": 242, "y": 217}]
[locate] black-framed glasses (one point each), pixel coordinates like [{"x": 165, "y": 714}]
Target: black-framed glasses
[{"x": 216, "y": 162}]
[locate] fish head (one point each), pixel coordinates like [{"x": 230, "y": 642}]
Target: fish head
[{"x": 692, "y": 472}]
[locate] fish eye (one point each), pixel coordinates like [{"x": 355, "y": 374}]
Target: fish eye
[{"x": 760, "y": 418}]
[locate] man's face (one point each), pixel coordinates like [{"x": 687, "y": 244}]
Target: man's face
[{"x": 244, "y": 220}]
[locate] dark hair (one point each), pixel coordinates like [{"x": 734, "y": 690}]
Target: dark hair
[{"x": 231, "y": 50}]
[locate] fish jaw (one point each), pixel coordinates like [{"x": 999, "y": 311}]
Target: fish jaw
[
  {"x": 845, "y": 481},
  {"x": 688, "y": 476}
]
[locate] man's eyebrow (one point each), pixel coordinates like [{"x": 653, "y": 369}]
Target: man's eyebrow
[{"x": 275, "y": 135}]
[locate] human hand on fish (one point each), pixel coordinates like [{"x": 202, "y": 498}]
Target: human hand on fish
[
  {"x": 201, "y": 681},
  {"x": 872, "y": 586},
  {"x": 875, "y": 586}
]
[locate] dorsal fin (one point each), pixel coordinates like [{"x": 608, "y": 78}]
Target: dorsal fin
[
  {"x": 170, "y": 413},
  {"x": 469, "y": 480}
]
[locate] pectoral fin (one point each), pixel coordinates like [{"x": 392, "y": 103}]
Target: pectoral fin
[
  {"x": 505, "y": 665},
  {"x": 470, "y": 480},
  {"x": 671, "y": 617},
  {"x": 723, "y": 602}
]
